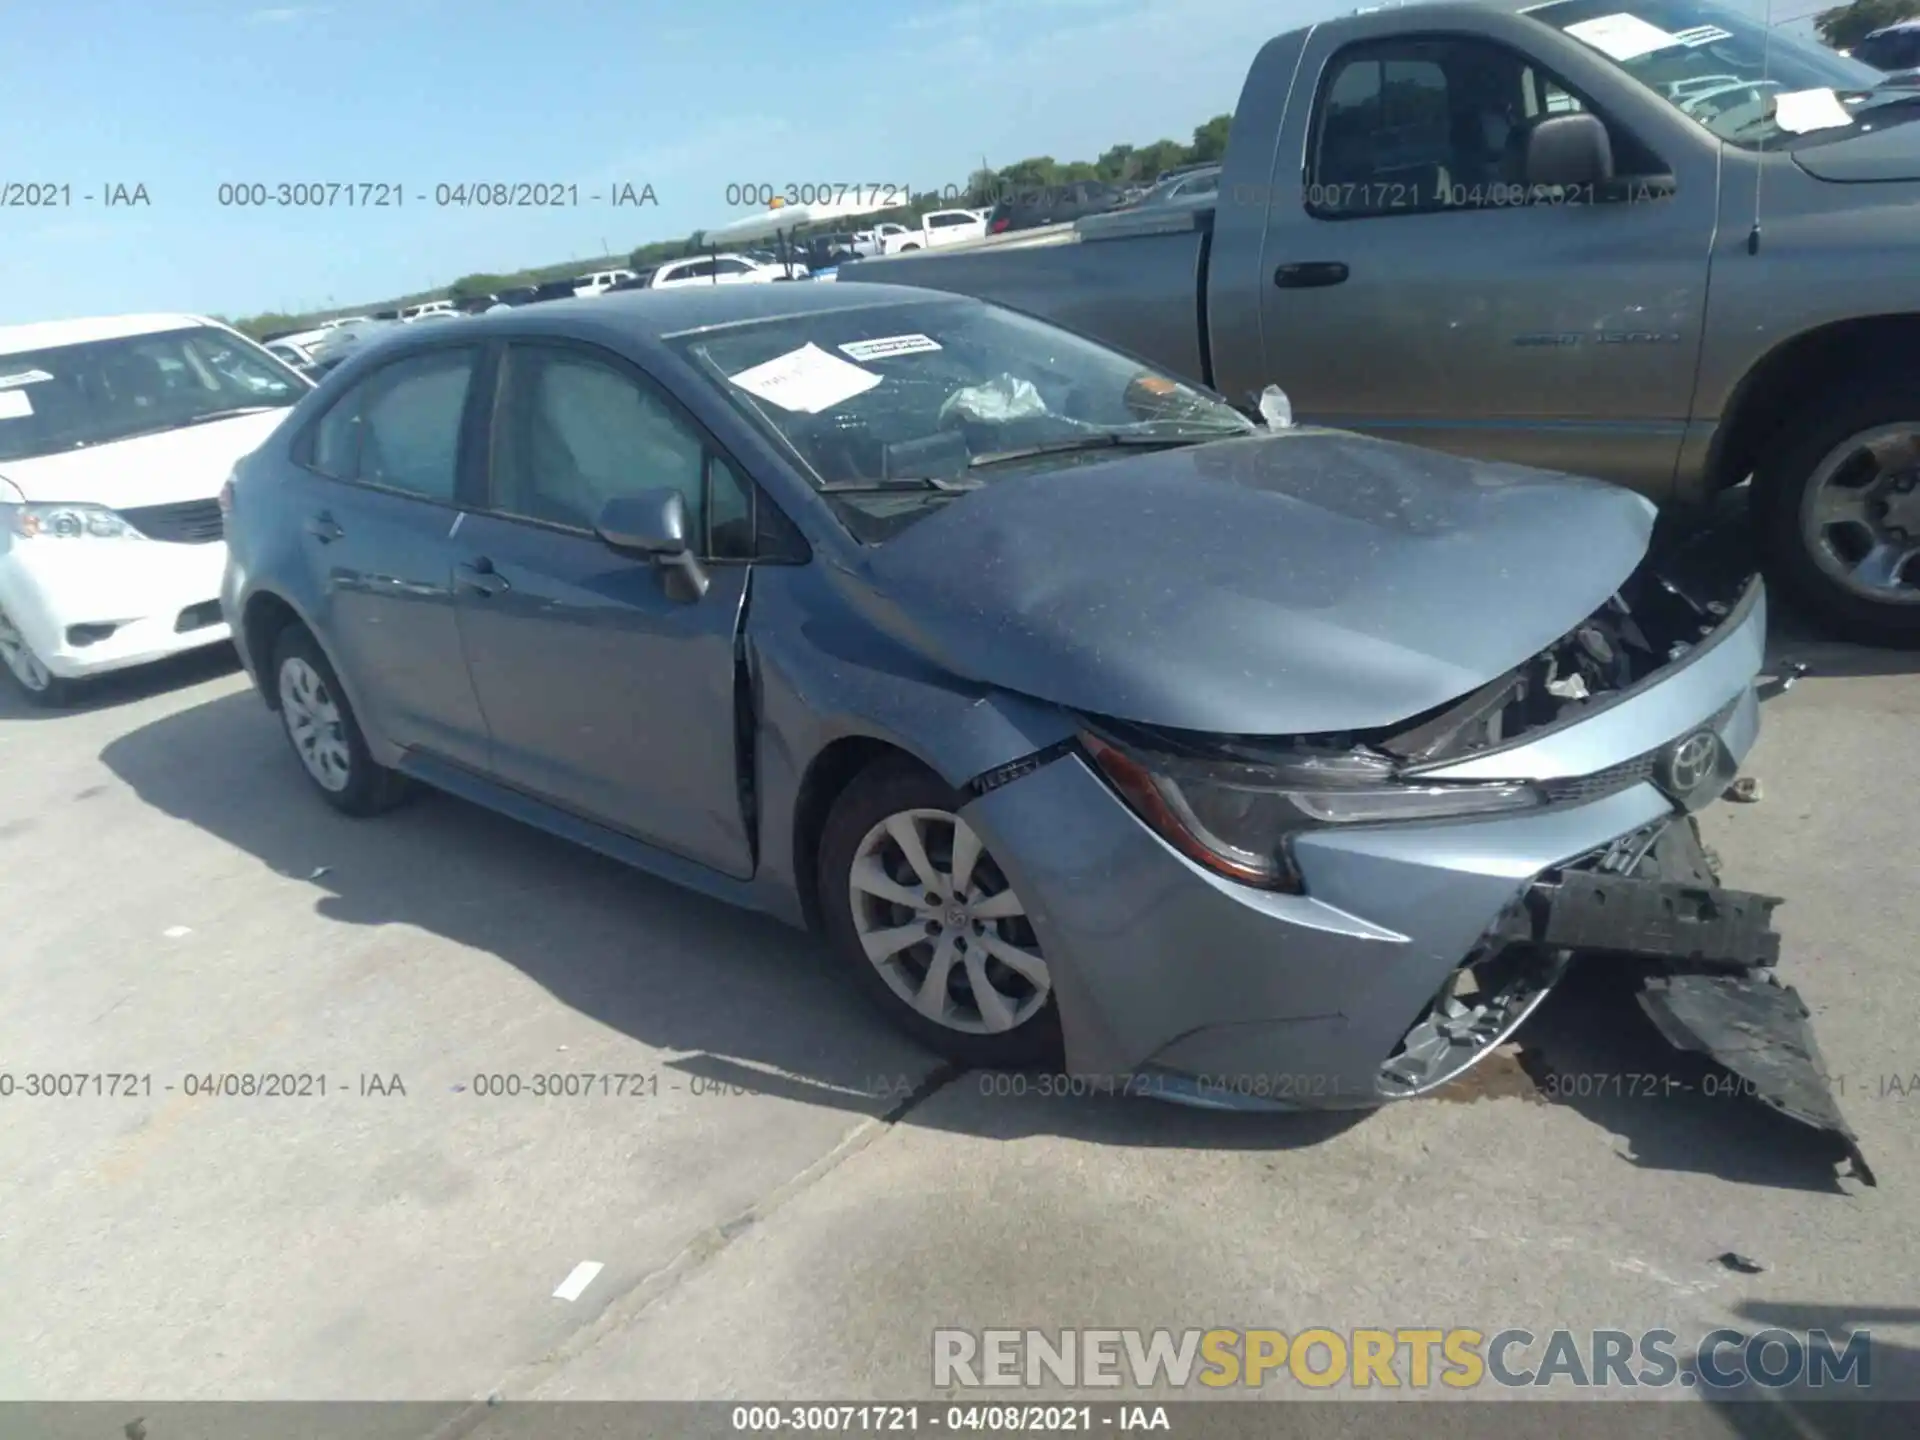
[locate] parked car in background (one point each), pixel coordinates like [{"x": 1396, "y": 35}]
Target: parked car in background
[
  {"x": 116, "y": 435},
  {"x": 1891, "y": 48},
  {"x": 937, "y": 228},
  {"x": 1049, "y": 205},
  {"x": 1195, "y": 187},
  {"x": 339, "y": 320},
  {"x": 1091, "y": 725},
  {"x": 553, "y": 290},
  {"x": 1560, "y": 169},
  {"x": 600, "y": 281},
  {"x": 427, "y": 308},
  {"x": 517, "y": 295},
  {"x": 292, "y": 353},
  {"x": 352, "y": 339},
  {"x": 873, "y": 242},
  {"x": 726, "y": 268}
]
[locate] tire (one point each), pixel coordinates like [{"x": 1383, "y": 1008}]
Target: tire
[
  {"x": 1797, "y": 480},
  {"x": 331, "y": 748},
  {"x": 1018, "y": 1030},
  {"x": 28, "y": 673}
]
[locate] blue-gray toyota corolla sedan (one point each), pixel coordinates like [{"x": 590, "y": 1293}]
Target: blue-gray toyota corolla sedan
[{"x": 1091, "y": 721}]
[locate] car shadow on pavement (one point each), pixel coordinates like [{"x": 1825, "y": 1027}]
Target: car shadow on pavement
[
  {"x": 1833, "y": 1408},
  {"x": 123, "y": 687},
  {"x": 748, "y": 1000}
]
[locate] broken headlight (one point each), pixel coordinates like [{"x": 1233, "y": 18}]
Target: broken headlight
[{"x": 1238, "y": 819}]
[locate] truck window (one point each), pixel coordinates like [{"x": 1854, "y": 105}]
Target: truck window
[{"x": 1409, "y": 126}]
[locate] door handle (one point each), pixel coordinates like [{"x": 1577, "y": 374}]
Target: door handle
[
  {"x": 324, "y": 528},
  {"x": 1310, "y": 274},
  {"x": 480, "y": 577}
]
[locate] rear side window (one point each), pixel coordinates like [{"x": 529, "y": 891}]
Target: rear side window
[{"x": 399, "y": 428}]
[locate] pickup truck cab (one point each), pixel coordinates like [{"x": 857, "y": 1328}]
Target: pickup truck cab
[
  {"x": 937, "y": 228},
  {"x": 1647, "y": 240}
]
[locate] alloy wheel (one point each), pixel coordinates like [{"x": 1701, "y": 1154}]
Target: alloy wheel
[
  {"x": 27, "y": 667},
  {"x": 1860, "y": 514},
  {"x": 313, "y": 722},
  {"x": 943, "y": 926}
]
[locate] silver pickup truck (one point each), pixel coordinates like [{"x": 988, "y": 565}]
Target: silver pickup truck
[{"x": 1646, "y": 240}]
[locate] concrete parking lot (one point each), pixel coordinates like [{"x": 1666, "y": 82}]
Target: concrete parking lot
[{"x": 787, "y": 1200}]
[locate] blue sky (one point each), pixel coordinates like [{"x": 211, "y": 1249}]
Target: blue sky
[{"x": 183, "y": 95}]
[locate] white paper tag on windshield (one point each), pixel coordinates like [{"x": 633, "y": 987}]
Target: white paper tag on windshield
[
  {"x": 1701, "y": 35},
  {"x": 892, "y": 345},
  {"x": 14, "y": 404},
  {"x": 23, "y": 377},
  {"x": 1799, "y": 111},
  {"x": 1622, "y": 37},
  {"x": 806, "y": 381}
]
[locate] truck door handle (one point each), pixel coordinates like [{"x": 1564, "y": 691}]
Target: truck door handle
[
  {"x": 324, "y": 528},
  {"x": 1309, "y": 274},
  {"x": 480, "y": 577}
]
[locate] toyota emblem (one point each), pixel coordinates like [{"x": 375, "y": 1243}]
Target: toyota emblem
[{"x": 1691, "y": 762}]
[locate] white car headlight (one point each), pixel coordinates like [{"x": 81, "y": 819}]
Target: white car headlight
[
  {"x": 1238, "y": 819},
  {"x": 62, "y": 520}
]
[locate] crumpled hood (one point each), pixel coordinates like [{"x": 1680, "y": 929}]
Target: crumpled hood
[
  {"x": 190, "y": 463},
  {"x": 1298, "y": 583}
]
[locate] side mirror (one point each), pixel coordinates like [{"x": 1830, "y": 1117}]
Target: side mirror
[
  {"x": 654, "y": 524},
  {"x": 1569, "y": 150}
]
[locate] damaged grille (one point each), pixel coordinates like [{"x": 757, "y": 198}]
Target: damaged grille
[{"x": 1614, "y": 778}]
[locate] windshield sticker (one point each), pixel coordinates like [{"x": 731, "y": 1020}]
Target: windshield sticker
[
  {"x": 892, "y": 345},
  {"x": 806, "y": 381},
  {"x": 1701, "y": 35},
  {"x": 1799, "y": 111},
  {"x": 1622, "y": 37},
  {"x": 23, "y": 377},
  {"x": 15, "y": 404}
]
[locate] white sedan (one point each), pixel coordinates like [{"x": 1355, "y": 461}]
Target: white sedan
[{"x": 722, "y": 269}]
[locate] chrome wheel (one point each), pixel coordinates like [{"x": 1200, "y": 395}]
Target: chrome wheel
[
  {"x": 26, "y": 666},
  {"x": 943, "y": 926},
  {"x": 1860, "y": 515},
  {"x": 1481, "y": 1004},
  {"x": 313, "y": 723}
]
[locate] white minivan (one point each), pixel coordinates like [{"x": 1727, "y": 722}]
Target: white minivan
[{"x": 116, "y": 436}]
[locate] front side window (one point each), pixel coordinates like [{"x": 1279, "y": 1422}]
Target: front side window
[
  {"x": 1718, "y": 67},
  {"x": 72, "y": 397},
  {"x": 399, "y": 428},
  {"x": 1430, "y": 124},
  {"x": 891, "y": 409},
  {"x": 573, "y": 432}
]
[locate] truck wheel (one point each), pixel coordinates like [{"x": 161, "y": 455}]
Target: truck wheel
[{"x": 1838, "y": 509}]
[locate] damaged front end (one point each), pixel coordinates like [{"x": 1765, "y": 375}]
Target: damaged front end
[
  {"x": 1649, "y": 703},
  {"x": 1704, "y": 955}
]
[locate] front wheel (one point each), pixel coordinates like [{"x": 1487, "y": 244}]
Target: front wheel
[
  {"x": 1838, "y": 506},
  {"x": 31, "y": 678},
  {"x": 325, "y": 735},
  {"x": 930, "y": 926}
]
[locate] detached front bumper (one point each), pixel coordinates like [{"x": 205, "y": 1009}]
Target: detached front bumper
[{"x": 1175, "y": 980}]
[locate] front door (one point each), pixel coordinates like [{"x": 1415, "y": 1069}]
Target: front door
[
  {"x": 1411, "y": 290},
  {"x": 376, "y": 501},
  {"x": 604, "y": 694}
]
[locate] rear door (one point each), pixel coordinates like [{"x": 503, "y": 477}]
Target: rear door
[
  {"x": 603, "y": 694},
  {"x": 1410, "y": 288},
  {"x": 377, "y": 486}
]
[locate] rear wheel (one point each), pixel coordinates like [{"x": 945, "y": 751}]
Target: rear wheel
[
  {"x": 929, "y": 925},
  {"x": 29, "y": 673},
  {"x": 325, "y": 735},
  {"x": 1838, "y": 506}
]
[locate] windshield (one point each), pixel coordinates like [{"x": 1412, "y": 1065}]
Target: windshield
[
  {"x": 894, "y": 408},
  {"x": 73, "y": 396},
  {"x": 1718, "y": 66}
]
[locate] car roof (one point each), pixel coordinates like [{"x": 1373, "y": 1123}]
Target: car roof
[
  {"x": 1899, "y": 27},
  {"x": 652, "y": 316},
  {"x": 49, "y": 334}
]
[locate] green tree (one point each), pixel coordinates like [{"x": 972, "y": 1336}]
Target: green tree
[
  {"x": 1847, "y": 25},
  {"x": 1210, "y": 139}
]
